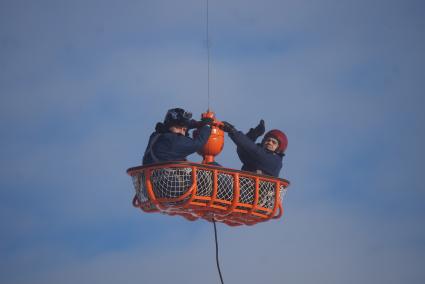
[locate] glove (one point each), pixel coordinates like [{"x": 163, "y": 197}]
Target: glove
[
  {"x": 256, "y": 132},
  {"x": 197, "y": 124},
  {"x": 206, "y": 120},
  {"x": 227, "y": 127}
]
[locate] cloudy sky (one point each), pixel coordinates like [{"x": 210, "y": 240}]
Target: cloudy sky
[{"x": 82, "y": 84}]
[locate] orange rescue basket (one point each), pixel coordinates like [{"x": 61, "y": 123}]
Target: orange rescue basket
[{"x": 194, "y": 191}]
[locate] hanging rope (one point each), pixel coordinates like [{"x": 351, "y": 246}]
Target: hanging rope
[
  {"x": 216, "y": 252},
  {"x": 208, "y": 93},
  {"x": 208, "y": 52}
]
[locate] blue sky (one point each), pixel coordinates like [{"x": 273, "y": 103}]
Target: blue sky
[{"x": 82, "y": 84}]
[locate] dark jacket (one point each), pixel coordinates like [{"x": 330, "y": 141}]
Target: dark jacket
[
  {"x": 254, "y": 157},
  {"x": 163, "y": 147}
]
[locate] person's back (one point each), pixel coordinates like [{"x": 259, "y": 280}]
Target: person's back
[{"x": 170, "y": 141}]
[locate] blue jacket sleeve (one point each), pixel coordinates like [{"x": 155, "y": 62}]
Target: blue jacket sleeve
[
  {"x": 174, "y": 147},
  {"x": 186, "y": 146}
]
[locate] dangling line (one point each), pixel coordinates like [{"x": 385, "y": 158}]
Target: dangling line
[
  {"x": 208, "y": 51},
  {"x": 216, "y": 252},
  {"x": 208, "y": 92}
]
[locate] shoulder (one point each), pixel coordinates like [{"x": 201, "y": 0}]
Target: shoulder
[{"x": 173, "y": 137}]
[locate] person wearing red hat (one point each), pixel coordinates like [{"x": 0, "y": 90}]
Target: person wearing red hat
[{"x": 263, "y": 158}]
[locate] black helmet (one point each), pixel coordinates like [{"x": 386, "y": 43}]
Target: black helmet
[{"x": 177, "y": 117}]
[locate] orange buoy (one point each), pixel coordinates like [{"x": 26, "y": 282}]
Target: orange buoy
[{"x": 215, "y": 143}]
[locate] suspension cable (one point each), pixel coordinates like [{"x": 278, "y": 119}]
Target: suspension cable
[
  {"x": 208, "y": 93},
  {"x": 208, "y": 55},
  {"x": 216, "y": 252}
]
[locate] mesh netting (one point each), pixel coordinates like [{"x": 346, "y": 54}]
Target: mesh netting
[
  {"x": 139, "y": 186},
  {"x": 267, "y": 194},
  {"x": 247, "y": 190},
  {"x": 166, "y": 183},
  {"x": 225, "y": 187},
  {"x": 172, "y": 183},
  {"x": 204, "y": 183}
]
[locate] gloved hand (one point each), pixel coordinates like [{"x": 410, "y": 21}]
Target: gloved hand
[
  {"x": 206, "y": 120},
  {"x": 256, "y": 132},
  {"x": 227, "y": 127},
  {"x": 196, "y": 124}
]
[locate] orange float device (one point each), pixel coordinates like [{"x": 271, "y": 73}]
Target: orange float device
[{"x": 215, "y": 142}]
